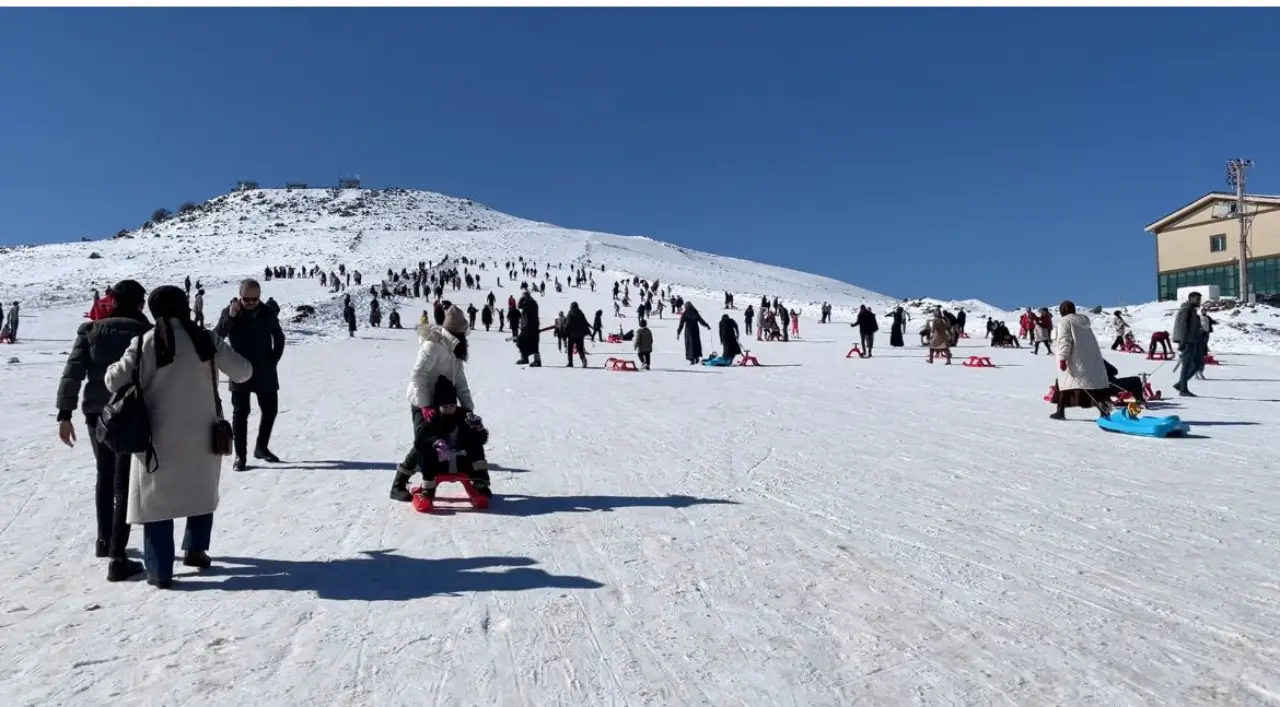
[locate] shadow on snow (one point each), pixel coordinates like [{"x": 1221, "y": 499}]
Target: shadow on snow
[
  {"x": 382, "y": 576},
  {"x": 519, "y": 505}
]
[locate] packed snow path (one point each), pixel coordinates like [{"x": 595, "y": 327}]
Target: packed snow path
[{"x": 817, "y": 531}]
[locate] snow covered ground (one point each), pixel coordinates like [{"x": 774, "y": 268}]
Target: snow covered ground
[{"x": 816, "y": 531}]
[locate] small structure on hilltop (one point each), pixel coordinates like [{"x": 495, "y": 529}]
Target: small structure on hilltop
[
  {"x": 290, "y": 186},
  {"x": 349, "y": 182},
  {"x": 246, "y": 185}
]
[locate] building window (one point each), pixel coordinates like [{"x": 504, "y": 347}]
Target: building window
[{"x": 1218, "y": 243}]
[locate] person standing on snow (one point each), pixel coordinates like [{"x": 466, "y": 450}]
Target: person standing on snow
[
  {"x": 1188, "y": 334},
  {"x": 1043, "y": 331},
  {"x": 643, "y": 345},
  {"x": 729, "y": 346},
  {"x": 1122, "y": 329},
  {"x": 99, "y": 344},
  {"x": 576, "y": 331},
  {"x": 176, "y": 364},
  {"x": 254, "y": 332},
  {"x": 527, "y": 341},
  {"x": 11, "y": 324},
  {"x": 867, "y": 328},
  {"x": 198, "y": 309},
  {"x": 898, "y": 327},
  {"x": 1082, "y": 374},
  {"x": 747, "y": 316},
  {"x": 442, "y": 352},
  {"x": 689, "y": 321}
]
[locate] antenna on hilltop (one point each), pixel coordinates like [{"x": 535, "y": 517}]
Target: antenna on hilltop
[{"x": 1236, "y": 169}]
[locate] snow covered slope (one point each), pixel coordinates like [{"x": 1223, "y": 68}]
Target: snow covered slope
[
  {"x": 236, "y": 235},
  {"x": 816, "y": 532}
]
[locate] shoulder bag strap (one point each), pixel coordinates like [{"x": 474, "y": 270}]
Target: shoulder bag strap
[
  {"x": 137, "y": 368},
  {"x": 217, "y": 398}
]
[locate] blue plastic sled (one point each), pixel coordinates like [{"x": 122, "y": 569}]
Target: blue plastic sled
[
  {"x": 1120, "y": 421},
  {"x": 718, "y": 361}
]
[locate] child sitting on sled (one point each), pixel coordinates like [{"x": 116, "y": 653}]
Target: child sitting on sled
[{"x": 451, "y": 441}]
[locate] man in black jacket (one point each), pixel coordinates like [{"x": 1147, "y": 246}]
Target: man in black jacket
[
  {"x": 527, "y": 340},
  {"x": 98, "y": 345},
  {"x": 254, "y": 332}
]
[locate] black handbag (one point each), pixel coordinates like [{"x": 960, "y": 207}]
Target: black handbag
[
  {"x": 222, "y": 434},
  {"x": 124, "y": 426}
]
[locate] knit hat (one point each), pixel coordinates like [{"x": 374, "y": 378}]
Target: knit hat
[
  {"x": 455, "y": 322},
  {"x": 444, "y": 393}
]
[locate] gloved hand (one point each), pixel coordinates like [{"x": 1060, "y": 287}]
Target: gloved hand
[
  {"x": 428, "y": 414},
  {"x": 1062, "y": 365},
  {"x": 443, "y": 453}
]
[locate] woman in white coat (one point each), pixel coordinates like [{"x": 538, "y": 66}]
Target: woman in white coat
[
  {"x": 180, "y": 480},
  {"x": 1082, "y": 374},
  {"x": 442, "y": 352}
]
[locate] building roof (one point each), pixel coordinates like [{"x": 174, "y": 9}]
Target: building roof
[{"x": 1209, "y": 199}]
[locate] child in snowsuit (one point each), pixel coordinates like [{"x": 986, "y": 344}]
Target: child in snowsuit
[
  {"x": 450, "y": 441},
  {"x": 644, "y": 344}
]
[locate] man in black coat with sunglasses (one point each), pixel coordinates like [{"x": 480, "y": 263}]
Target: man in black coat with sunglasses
[{"x": 254, "y": 332}]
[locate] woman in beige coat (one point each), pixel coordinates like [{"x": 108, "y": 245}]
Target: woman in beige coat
[
  {"x": 180, "y": 479},
  {"x": 1082, "y": 374}
]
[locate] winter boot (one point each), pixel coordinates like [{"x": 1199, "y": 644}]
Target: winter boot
[
  {"x": 120, "y": 569},
  {"x": 400, "y": 485},
  {"x": 239, "y": 464},
  {"x": 265, "y": 455},
  {"x": 424, "y": 497},
  {"x": 197, "y": 558},
  {"x": 524, "y": 361},
  {"x": 100, "y": 548},
  {"x": 537, "y": 361}
]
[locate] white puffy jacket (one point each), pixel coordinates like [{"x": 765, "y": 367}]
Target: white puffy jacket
[{"x": 435, "y": 359}]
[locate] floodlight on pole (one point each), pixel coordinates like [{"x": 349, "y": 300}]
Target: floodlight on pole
[{"x": 1236, "y": 170}]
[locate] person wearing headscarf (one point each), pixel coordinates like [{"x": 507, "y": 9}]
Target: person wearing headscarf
[
  {"x": 100, "y": 343},
  {"x": 1082, "y": 374},
  {"x": 176, "y": 364},
  {"x": 689, "y": 321}
]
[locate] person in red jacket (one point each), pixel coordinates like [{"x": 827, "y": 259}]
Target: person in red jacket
[{"x": 103, "y": 307}]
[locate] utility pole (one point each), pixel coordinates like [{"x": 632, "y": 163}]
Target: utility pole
[{"x": 1236, "y": 177}]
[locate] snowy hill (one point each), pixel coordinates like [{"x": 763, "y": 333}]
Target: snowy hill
[
  {"x": 818, "y": 531},
  {"x": 237, "y": 235}
]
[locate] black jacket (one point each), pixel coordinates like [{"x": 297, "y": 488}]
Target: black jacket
[
  {"x": 255, "y": 335},
  {"x": 866, "y": 322},
  {"x": 575, "y": 325},
  {"x": 98, "y": 345}
]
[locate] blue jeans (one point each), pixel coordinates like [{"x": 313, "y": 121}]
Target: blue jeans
[{"x": 157, "y": 543}]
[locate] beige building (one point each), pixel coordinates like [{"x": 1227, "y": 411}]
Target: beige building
[{"x": 1199, "y": 244}]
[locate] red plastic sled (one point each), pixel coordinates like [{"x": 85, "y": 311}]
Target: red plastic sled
[
  {"x": 747, "y": 360},
  {"x": 422, "y": 504},
  {"x": 620, "y": 364},
  {"x": 1133, "y": 347},
  {"x": 1147, "y": 392},
  {"x": 1210, "y": 360},
  {"x": 615, "y": 339},
  {"x": 854, "y": 350},
  {"x": 979, "y": 362},
  {"x": 1159, "y": 356}
]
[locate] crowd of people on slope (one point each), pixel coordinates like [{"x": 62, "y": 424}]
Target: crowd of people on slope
[{"x": 172, "y": 368}]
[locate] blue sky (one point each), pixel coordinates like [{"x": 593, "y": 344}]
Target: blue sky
[{"x": 1009, "y": 155}]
